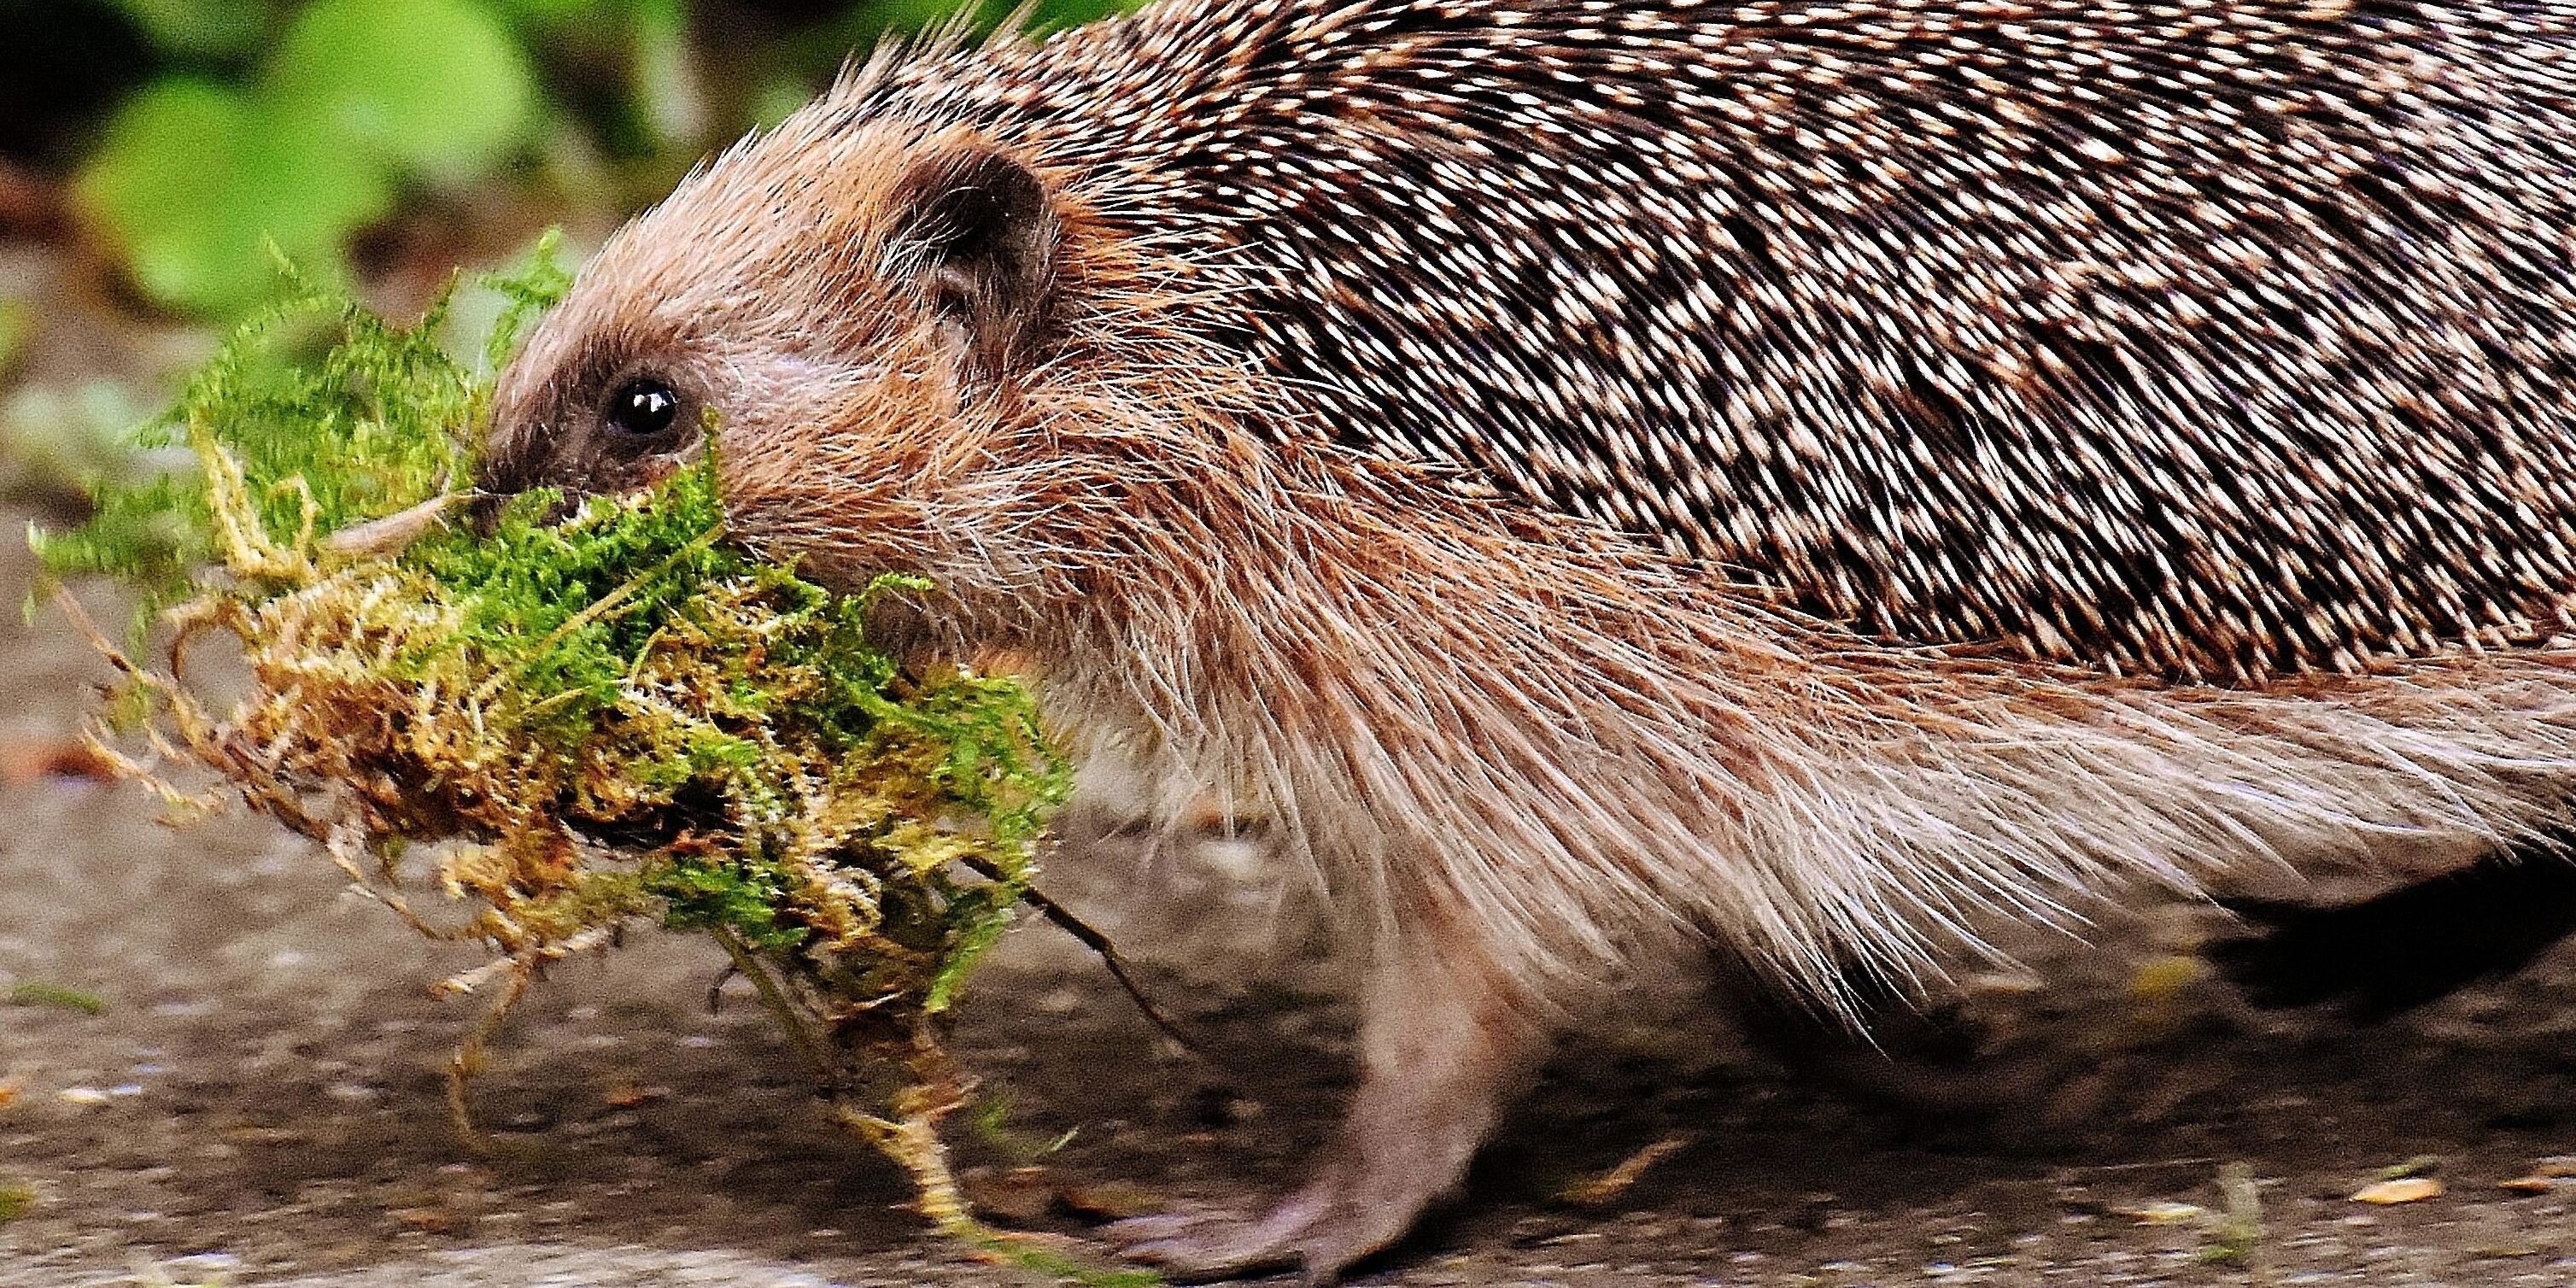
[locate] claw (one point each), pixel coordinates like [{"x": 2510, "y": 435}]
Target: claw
[
  {"x": 1153, "y": 1228},
  {"x": 1197, "y": 1246}
]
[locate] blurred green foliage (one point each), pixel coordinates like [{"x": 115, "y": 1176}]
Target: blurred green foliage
[
  {"x": 15, "y": 324},
  {"x": 302, "y": 125},
  {"x": 192, "y": 178}
]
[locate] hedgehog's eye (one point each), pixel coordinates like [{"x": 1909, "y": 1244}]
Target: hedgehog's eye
[{"x": 642, "y": 408}]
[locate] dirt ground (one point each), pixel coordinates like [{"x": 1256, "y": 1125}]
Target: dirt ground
[{"x": 260, "y": 1100}]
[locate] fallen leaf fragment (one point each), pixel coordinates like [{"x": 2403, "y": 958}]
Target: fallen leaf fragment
[
  {"x": 428, "y": 1220},
  {"x": 2529, "y": 1184},
  {"x": 256, "y": 1135},
  {"x": 627, "y": 1095},
  {"x": 57, "y": 997},
  {"x": 8, "y": 1095},
  {"x": 2406, "y": 1189},
  {"x": 2164, "y": 1213},
  {"x": 1605, "y": 1189},
  {"x": 2164, "y": 978}
]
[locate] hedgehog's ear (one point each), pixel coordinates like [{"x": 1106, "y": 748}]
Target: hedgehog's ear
[{"x": 976, "y": 231}]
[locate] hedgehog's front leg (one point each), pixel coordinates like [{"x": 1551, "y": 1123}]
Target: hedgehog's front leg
[{"x": 1447, "y": 1040}]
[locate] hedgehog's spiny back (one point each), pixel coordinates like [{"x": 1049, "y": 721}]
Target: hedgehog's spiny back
[{"x": 2211, "y": 342}]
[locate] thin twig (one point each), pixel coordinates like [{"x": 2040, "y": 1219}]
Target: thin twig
[
  {"x": 826, "y": 1072},
  {"x": 1090, "y": 937},
  {"x": 715, "y": 989}
]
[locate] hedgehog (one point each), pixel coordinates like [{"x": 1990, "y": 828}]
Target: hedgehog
[{"x": 1798, "y": 480}]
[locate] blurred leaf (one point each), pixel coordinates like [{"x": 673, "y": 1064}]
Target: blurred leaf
[
  {"x": 194, "y": 182},
  {"x": 544, "y": 12},
  {"x": 35, "y": 993},
  {"x": 990, "y": 15},
  {"x": 438, "y": 86},
  {"x": 1057, "y": 15},
  {"x": 17, "y": 323},
  {"x": 920, "y": 15},
  {"x": 776, "y": 98},
  {"x": 200, "y": 28},
  {"x": 667, "y": 89}
]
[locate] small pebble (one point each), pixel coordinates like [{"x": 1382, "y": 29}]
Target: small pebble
[{"x": 81, "y": 1096}]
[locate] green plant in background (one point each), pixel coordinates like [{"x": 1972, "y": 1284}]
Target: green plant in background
[
  {"x": 304, "y": 125},
  {"x": 15, "y": 323},
  {"x": 355, "y": 100},
  {"x": 571, "y": 722}
]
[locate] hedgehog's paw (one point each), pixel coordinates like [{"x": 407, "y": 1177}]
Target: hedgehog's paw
[
  {"x": 1313, "y": 1232},
  {"x": 1445, "y": 1039}
]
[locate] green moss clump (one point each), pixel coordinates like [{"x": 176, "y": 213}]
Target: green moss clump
[
  {"x": 378, "y": 423},
  {"x": 570, "y": 724}
]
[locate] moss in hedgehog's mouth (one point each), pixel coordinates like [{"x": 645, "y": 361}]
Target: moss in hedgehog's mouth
[{"x": 579, "y": 712}]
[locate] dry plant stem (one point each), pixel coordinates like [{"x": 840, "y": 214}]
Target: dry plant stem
[
  {"x": 914, "y": 1141},
  {"x": 471, "y": 1056},
  {"x": 387, "y": 536},
  {"x": 519, "y": 972},
  {"x": 911, "y": 1138},
  {"x": 597, "y": 937},
  {"x": 342, "y": 848}
]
